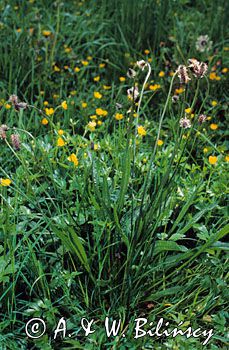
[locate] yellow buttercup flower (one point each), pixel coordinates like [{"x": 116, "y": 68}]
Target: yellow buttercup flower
[
  {"x": 212, "y": 159},
  {"x": 93, "y": 117},
  {"x": 64, "y": 105},
  {"x": 72, "y": 158},
  {"x": 147, "y": 51},
  {"x": 44, "y": 121},
  {"x": 56, "y": 69},
  {"x": 106, "y": 87},
  {"x": 188, "y": 110},
  {"x": 122, "y": 79},
  {"x": 76, "y": 69},
  {"x": 5, "y": 182},
  {"x": 45, "y": 103},
  {"x": 102, "y": 65},
  {"x": 84, "y": 104},
  {"x": 224, "y": 70},
  {"x": 154, "y": 87},
  {"x": 141, "y": 130},
  {"x": 91, "y": 125},
  {"x": 68, "y": 49},
  {"x": 60, "y": 132},
  {"x": 46, "y": 33},
  {"x": 227, "y": 158},
  {"x": 97, "y": 95},
  {"x": 161, "y": 74},
  {"x": 60, "y": 142},
  {"x": 205, "y": 150},
  {"x": 97, "y": 78},
  {"x": 49, "y": 111},
  {"x": 101, "y": 112},
  {"x": 214, "y": 126},
  {"x": 7, "y": 106},
  {"x": 119, "y": 116},
  {"x": 85, "y": 63},
  {"x": 99, "y": 122},
  {"x": 214, "y": 103},
  {"x": 160, "y": 142}
]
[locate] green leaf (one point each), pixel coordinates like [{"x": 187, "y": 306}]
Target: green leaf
[{"x": 162, "y": 246}]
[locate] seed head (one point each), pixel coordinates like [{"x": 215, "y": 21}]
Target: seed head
[
  {"x": 3, "y": 129},
  {"x": 203, "y": 43},
  {"x": 202, "y": 118},
  {"x": 133, "y": 93},
  {"x": 185, "y": 123},
  {"x": 141, "y": 64},
  {"x": 13, "y": 99},
  {"x": 199, "y": 69},
  {"x": 175, "y": 98},
  {"x": 15, "y": 139},
  {"x": 183, "y": 74},
  {"x": 131, "y": 73}
]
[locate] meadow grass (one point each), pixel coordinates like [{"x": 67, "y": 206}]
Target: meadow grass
[{"x": 108, "y": 206}]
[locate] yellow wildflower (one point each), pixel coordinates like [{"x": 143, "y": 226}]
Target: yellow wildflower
[
  {"x": 224, "y": 70},
  {"x": 97, "y": 95},
  {"x": 154, "y": 87},
  {"x": 141, "y": 130},
  {"x": 99, "y": 122},
  {"x": 45, "y": 103},
  {"x": 160, "y": 142},
  {"x": 119, "y": 116},
  {"x": 161, "y": 74},
  {"x": 101, "y": 112},
  {"x": 214, "y": 103},
  {"x": 60, "y": 132},
  {"x": 147, "y": 51},
  {"x": 7, "y": 106},
  {"x": 188, "y": 110},
  {"x": 44, "y": 121},
  {"x": 5, "y": 182},
  {"x": 49, "y": 111},
  {"x": 179, "y": 91},
  {"x": 46, "y": 33},
  {"x": 84, "y": 104},
  {"x": 60, "y": 142},
  {"x": 68, "y": 49},
  {"x": 91, "y": 125},
  {"x": 72, "y": 158},
  {"x": 106, "y": 87},
  {"x": 212, "y": 159},
  {"x": 97, "y": 78},
  {"x": 122, "y": 79},
  {"x": 205, "y": 150},
  {"x": 76, "y": 69},
  {"x": 64, "y": 105},
  {"x": 214, "y": 126},
  {"x": 227, "y": 158},
  {"x": 56, "y": 69},
  {"x": 85, "y": 63},
  {"x": 102, "y": 65}
]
